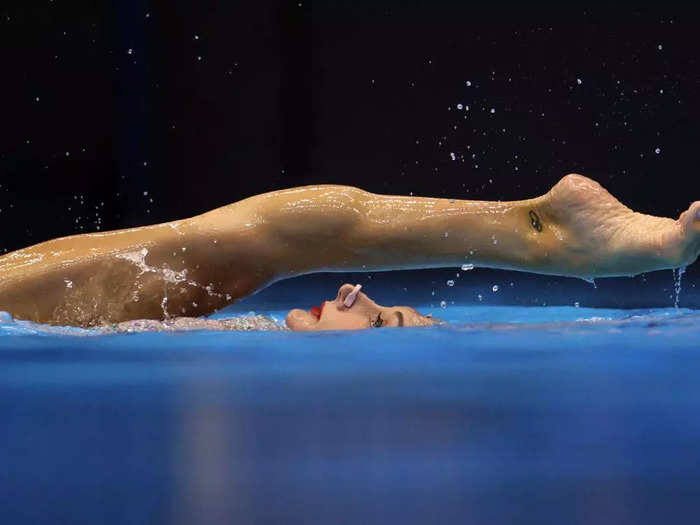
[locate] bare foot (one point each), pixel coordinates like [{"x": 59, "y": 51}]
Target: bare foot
[{"x": 606, "y": 238}]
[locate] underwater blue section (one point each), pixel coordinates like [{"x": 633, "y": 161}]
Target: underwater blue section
[{"x": 507, "y": 414}]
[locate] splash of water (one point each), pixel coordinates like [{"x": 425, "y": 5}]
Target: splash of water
[
  {"x": 677, "y": 277},
  {"x": 164, "y": 306},
  {"x": 251, "y": 321},
  {"x": 138, "y": 258}
]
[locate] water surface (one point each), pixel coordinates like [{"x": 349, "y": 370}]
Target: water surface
[{"x": 504, "y": 415}]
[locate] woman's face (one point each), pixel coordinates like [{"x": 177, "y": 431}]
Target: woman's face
[{"x": 353, "y": 310}]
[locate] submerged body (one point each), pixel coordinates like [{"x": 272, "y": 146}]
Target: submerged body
[{"x": 195, "y": 266}]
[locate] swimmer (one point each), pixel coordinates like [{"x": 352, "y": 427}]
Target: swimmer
[
  {"x": 193, "y": 267},
  {"x": 353, "y": 310},
  {"x": 350, "y": 310}
]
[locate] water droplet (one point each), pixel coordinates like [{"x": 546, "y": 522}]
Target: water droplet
[
  {"x": 467, "y": 267},
  {"x": 494, "y": 288},
  {"x": 450, "y": 282},
  {"x": 443, "y": 304}
]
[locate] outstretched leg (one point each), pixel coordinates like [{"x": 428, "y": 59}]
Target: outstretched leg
[
  {"x": 194, "y": 266},
  {"x": 576, "y": 229}
]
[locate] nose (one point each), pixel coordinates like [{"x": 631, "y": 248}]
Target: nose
[
  {"x": 350, "y": 298},
  {"x": 347, "y": 294}
]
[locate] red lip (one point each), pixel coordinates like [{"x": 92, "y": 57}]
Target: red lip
[{"x": 316, "y": 311}]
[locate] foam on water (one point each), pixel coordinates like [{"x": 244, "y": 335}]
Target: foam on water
[{"x": 247, "y": 322}]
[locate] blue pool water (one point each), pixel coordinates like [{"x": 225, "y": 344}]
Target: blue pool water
[{"x": 508, "y": 414}]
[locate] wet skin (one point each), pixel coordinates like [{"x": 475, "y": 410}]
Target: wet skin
[
  {"x": 363, "y": 313},
  {"x": 195, "y": 266}
]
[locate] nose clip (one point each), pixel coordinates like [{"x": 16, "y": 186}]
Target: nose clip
[{"x": 350, "y": 298}]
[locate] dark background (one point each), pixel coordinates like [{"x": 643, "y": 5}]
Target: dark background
[{"x": 117, "y": 114}]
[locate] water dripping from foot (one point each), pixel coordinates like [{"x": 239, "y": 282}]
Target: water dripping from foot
[
  {"x": 677, "y": 277},
  {"x": 590, "y": 280}
]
